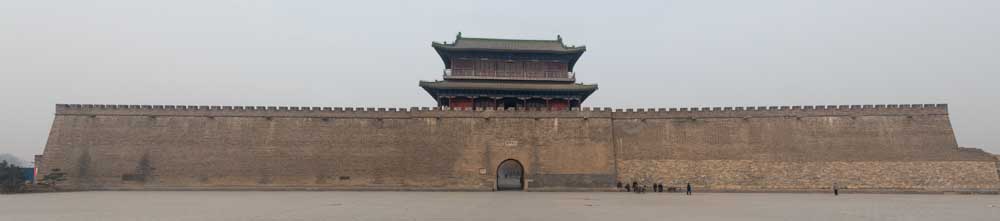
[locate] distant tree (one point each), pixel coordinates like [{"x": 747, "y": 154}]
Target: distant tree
[
  {"x": 13, "y": 160},
  {"x": 55, "y": 176},
  {"x": 11, "y": 178}
]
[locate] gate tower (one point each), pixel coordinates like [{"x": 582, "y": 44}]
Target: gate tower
[{"x": 508, "y": 73}]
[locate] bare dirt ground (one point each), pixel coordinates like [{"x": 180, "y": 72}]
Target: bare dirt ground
[{"x": 265, "y": 205}]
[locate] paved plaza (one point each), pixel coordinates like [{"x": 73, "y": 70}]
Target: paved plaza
[{"x": 265, "y": 205}]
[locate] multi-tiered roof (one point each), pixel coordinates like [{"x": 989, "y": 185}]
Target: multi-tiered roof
[{"x": 537, "y": 73}]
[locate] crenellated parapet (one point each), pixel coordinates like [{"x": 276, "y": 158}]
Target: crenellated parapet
[
  {"x": 320, "y": 112},
  {"x": 436, "y": 112},
  {"x": 786, "y": 111}
]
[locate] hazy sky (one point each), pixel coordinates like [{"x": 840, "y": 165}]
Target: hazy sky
[{"x": 657, "y": 53}]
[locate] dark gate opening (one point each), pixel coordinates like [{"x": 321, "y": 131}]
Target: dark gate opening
[{"x": 510, "y": 176}]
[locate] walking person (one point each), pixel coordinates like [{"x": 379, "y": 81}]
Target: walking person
[
  {"x": 635, "y": 186},
  {"x": 689, "y": 189},
  {"x": 836, "y": 192}
]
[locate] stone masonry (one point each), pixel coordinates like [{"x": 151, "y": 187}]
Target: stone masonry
[{"x": 798, "y": 148}]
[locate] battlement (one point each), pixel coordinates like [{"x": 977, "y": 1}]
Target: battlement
[
  {"x": 786, "y": 111},
  {"x": 68, "y": 107},
  {"x": 316, "y": 112},
  {"x": 372, "y": 112},
  {"x": 786, "y": 108}
]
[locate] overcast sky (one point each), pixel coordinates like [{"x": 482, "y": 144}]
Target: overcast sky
[{"x": 656, "y": 53}]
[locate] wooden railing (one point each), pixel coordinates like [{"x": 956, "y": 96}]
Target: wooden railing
[{"x": 508, "y": 75}]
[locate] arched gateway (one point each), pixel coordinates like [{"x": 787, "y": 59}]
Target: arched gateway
[{"x": 510, "y": 175}]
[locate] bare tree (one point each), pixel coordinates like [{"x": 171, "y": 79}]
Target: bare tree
[
  {"x": 11, "y": 178},
  {"x": 13, "y": 160}
]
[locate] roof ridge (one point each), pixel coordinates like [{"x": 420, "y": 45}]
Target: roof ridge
[
  {"x": 510, "y": 44},
  {"x": 508, "y": 39}
]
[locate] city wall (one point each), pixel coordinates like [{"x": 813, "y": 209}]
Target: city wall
[{"x": 870, "y": 147}]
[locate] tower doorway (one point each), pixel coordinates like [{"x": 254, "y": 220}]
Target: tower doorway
[{"x": 510, "y": 175}]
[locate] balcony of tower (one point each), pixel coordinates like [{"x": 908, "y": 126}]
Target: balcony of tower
[{"x": 467, "y": 74}]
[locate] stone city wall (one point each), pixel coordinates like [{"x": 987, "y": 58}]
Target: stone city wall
[
  {"x": 882, "y": 147},
  {"x": 779, "y": 176},
  {"x": 116, "y": 147}
]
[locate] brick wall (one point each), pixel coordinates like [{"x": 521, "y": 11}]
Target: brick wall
[
  {"x": 753, "y": 175},
  {"x": 164, "y": 146},
  {"x": 336, "y": 148}
]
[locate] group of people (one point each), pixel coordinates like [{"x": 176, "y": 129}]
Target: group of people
[
  {"x": 636, "y": 188},
  {"x": 658, "y": 187}
]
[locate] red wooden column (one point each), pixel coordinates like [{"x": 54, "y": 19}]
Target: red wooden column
[{"x": 496, "y": 102}]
